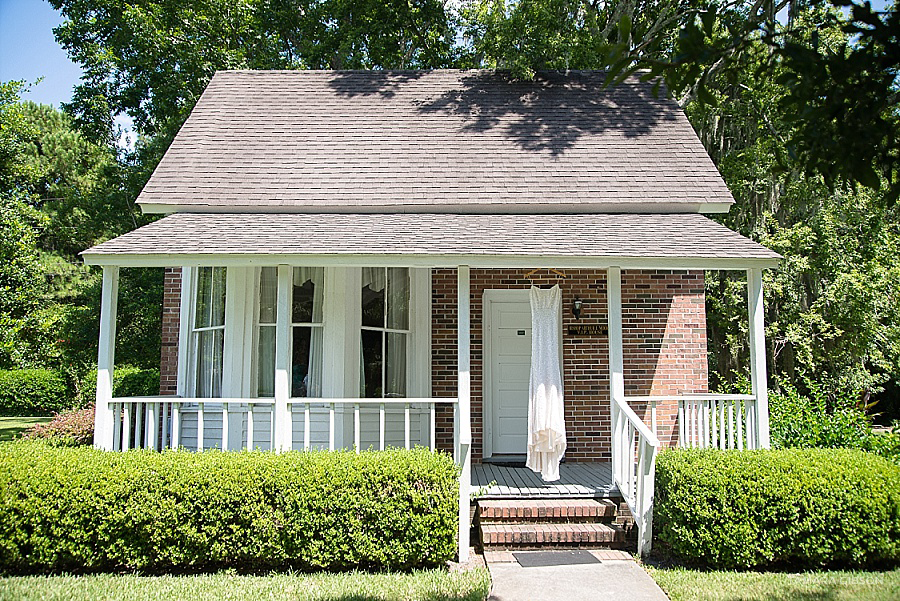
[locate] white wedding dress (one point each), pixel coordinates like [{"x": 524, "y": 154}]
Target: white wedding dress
[{"x": 546, "y": 415}]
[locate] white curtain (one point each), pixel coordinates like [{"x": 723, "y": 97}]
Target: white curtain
[
  {"x": 546, "y": 415},
  {"x": 313, "y": 379}
]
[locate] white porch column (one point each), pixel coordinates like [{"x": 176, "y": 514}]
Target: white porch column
[
  {"x": 758, "y": 376},
  {"x": 103, "y": 415},
  {"x": 464, "y": 398},
  {"x": 616, "y": 354},
  {"x": 282, "y": 433}
]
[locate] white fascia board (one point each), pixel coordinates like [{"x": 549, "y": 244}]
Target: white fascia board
[
  {"x": 650, "y": 207},
  {"x": 427, "y": 261}
]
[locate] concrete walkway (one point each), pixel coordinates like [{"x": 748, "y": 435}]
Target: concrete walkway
[{"x": 615, "y": 577}]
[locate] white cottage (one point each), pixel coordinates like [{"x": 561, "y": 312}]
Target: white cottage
[{"x": 348, "y": 263}]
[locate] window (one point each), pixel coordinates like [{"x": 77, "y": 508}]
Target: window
[
  {"x": 307, "y": 332},
  {"x": 307, "y": 335},
  {"x": 385, "y": 332},
  {"x": 265, "y": 334},
  {"x": 209, "y": 331}
]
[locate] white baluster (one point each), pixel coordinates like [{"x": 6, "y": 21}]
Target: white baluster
[
  {"x": 225, "y": 427},
  {"x": 250, "y": 426},
  {"x": 381, "y": 427},
  {"x": 356, "y": 427},
  {"x": 176, "y": 424},
  {"x": 331, "y": 427},
  {"x": 200, "y": 427},
  {"x": 406, "y": 425},
  {"x": 117, "y": 425},
  {"x": 306, "y": 435}
]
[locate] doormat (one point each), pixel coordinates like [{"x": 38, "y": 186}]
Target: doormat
[{"x": 542, "y": 559}]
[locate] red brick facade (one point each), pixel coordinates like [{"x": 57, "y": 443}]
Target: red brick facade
[
  {"x": 664, "y": 337},
  {"x": 664, "y": 340},
  {"x": 168, "y": 367}
]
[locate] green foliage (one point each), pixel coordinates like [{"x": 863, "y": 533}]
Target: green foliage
[
  {"x": 83, "y": 509},
  {"x": 745, "y": 509},
  {"x": 821, "y": 421},
  {"x": 33, "y": 392},
  {"x": 840, "y": 65},
  {"x": 152, "y": 59},
  {"x": 71, "y": 428},
  {"x": 128, "y": 380}
]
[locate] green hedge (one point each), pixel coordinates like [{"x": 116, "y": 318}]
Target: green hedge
[
  {"x": 127, "y": 381},
  {"x": 83, "y": 509},
  {"x": 33, "y": 392},
  {"x": 809, "y": 507}
]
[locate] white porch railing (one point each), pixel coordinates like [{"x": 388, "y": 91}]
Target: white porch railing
[
  {"x": 159, "y": 421},
  {"x": 711, "y": 420},
  {"x": 634, "y": 449},
  {"x": 718, "y": 421}
]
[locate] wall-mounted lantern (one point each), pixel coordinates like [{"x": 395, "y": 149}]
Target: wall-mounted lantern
[{"x": 576, "y": 307}]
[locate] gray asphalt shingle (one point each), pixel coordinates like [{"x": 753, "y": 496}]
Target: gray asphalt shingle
[
  {"x": 426, "y": 141},
  {"x": 683, "y": 235}
]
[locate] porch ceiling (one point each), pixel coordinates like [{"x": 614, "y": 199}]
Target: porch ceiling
[{"x": 685, "y": 240}]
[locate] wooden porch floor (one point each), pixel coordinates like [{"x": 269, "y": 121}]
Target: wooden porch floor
[{"x": 576, "y": 480}]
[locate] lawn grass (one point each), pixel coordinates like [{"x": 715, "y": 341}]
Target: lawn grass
[
  {"x": 11, "y": 427},
  {"x": 426, "y": 585},
  {"x": 694, "y": 585}
]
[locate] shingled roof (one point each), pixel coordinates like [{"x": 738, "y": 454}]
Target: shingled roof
[
  {"x": 433, "y": 141},
  {"x": 433, "y": 240}
]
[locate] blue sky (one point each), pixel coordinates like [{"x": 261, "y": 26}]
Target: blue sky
[{"x": 28, "y": 51}]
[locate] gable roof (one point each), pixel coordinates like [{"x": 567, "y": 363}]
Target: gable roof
[{"x": 433, "y": 142}]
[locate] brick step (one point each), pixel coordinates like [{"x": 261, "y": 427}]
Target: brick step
[
  {"x": 555, "y": 510},
  {"x": 523, "y": 536}
]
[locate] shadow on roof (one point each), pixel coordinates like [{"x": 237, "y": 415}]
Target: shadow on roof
[{"x": 548, "y": 114}]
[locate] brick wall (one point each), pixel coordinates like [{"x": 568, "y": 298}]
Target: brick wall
[
  {"x": 168, "y": 365},
  {"x": 664, "y": 340}
]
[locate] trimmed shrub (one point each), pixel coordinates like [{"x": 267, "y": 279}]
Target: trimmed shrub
[
  {"x": 33, "y": 392},
  {"x": 84, "y": 509},
  {"x": 127, "y": 381},
  {"x": 803, "y": 507},
  {"x": 72, "y": 428}
]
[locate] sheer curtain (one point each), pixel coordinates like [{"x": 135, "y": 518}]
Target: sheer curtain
[
  {"x": 209, "y": 331},
  {"x": 265, "y": 339},
  {"x": 385, "y": 328},
  {"x": 307, "y": 317}
]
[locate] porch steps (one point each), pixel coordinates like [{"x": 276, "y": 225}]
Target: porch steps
[{"x": 549, "y": 523}]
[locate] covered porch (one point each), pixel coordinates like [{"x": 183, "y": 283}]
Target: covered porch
[
  {"x": 576, "y": 481},
  {"x": 335, "y": 417}
]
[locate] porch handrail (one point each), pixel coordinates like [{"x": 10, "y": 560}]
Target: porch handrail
[
  {"x": 156, "y": 421},
  {"x": 634, "y": 449}
]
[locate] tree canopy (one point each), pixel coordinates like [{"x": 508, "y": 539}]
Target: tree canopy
[{"x": 795, "y": 100}]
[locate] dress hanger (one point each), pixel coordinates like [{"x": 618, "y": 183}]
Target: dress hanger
[{"x": 556, "y": 271}]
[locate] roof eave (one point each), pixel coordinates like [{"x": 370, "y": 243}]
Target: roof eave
[
  {"x": 651, "y": 207},
  {"x": 484, "y": 261}
]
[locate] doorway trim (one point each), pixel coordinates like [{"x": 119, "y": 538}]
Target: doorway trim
[{"x": 487, "y": 410}]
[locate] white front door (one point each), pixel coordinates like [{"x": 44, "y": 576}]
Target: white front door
[{"x": 508, "y": 371}]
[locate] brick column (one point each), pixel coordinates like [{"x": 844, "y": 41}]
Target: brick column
[{"x": 171, "y": 314}]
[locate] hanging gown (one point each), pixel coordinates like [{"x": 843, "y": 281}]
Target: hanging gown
[{"x": 546, "y": 418}]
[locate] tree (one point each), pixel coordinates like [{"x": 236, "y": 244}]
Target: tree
[
  {"x": 152, "y": 59},
  {"x": 844, "y": 101}
]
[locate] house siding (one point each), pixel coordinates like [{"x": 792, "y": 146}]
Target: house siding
[{"x": 664, "y": 342}]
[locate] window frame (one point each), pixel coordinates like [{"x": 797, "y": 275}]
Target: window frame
[
  {"x": 194, "y": 332},
  {"x": 408, "y": 332}
]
